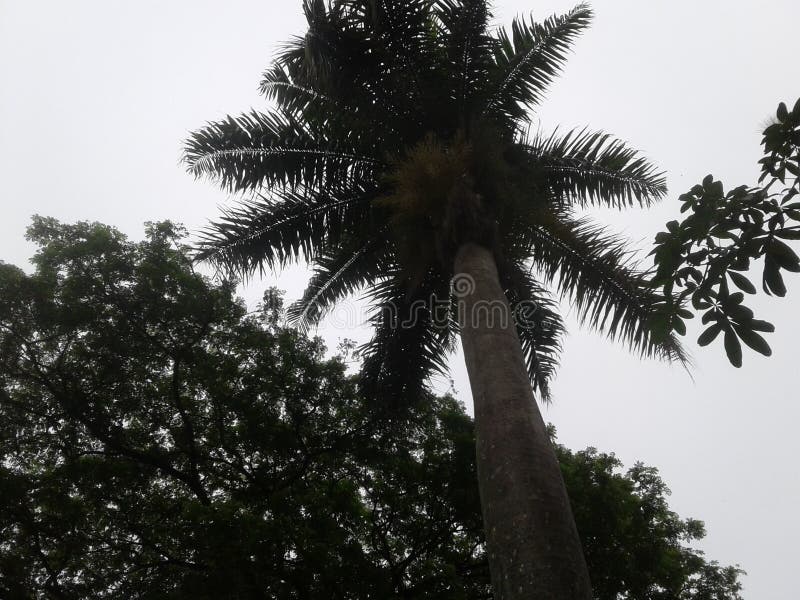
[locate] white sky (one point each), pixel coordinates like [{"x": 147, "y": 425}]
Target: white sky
[{"x": 96, "y": 98}]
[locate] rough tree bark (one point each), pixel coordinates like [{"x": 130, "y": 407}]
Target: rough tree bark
[{"x": 533, "y": 545}]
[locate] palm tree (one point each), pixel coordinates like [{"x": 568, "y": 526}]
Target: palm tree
[{"x": 396, "y": 158}]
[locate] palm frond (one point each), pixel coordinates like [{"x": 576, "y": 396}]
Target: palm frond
[
  {"x": 538, "y": 323},
  {"x": 530, "y": 58},
  {"x": 412, "y": 340},
  {"x": 337, "y": 275},
  {"x": 271, "y": 149},
  {"x": 277, "y": 85},
  {"x": 398, "y": 33},
  {"x": 596, "y": 272},
  {"x": 368, "y": 56},
  {"x": 397, "y": 28},
  {"x": 294, "y": 224},
  {"x": 308, "y": 58},
  {"x": 586, "y": 167},
  {"x": 463, "y": 29}
]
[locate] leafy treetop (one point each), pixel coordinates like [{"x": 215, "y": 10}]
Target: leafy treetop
[{"x": 399, "y": 131}]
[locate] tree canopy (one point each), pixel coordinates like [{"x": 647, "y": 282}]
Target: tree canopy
[
  {"x": 159, "y": 440},
  {"x": 396, "y": 133}
]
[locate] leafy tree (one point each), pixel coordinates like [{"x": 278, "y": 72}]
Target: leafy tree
[
  {"x": 396, "y": 159},
  {"x": 159, "y": 441},
  {"x": 706, "y": 255},
  {"x": 631, "y": 538}
]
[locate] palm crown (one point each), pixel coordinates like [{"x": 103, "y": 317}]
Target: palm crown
[{"x": 399, "y": 131}]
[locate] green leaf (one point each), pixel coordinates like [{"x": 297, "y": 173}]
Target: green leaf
[
  {"x": 754, "y": 341},
  {"x": 659, "y": 327},
  {"x": 711, "y": 315},
  {"x": 742, "y": 282},
  {"x": 740, "y": 313},
  {"x": 757, "y": 325},
  {"x": 699, "y": 302},
  {"x": 772, "y": 280},
  {"x": 783, "y": 112},
  {"x": 788, "y": 234},
  {"x": 733, "y": 348},
  {"x": 784, "y": 256},
  {"x": 709, "y": 335},
  {"x": 734, "y": 299},
  {"x": 662, "y": 237},
  {"x": 679, "y": 326}
]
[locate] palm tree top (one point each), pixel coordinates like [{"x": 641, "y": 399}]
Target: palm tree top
[{"x": 398, "y": 131}]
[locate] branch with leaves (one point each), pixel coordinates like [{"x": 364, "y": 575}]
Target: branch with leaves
[{"x": 702, "y": 263}]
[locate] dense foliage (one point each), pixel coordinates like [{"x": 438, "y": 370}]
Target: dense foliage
[
  {"x": 159, "y": 441},
  {"x": 705, "y": 257}
]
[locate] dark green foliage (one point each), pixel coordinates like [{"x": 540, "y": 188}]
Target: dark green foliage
[
  {"x": 705, "y": 257},
  {"x": 634, "y": 544},
  {"x": 610, "y": 294},
  {"x": 527, "y": 60},
  {"x": 591, "y": 167},
  {"x": 397, "y": 132},
  {"x": 157, "y": 441}
]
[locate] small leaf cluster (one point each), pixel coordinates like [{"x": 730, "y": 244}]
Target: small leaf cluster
[
  {"x": 702, "y": 263},
  {"x": 782, "y": 149}
]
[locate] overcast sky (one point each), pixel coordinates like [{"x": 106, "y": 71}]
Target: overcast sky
[{"x": 97, "y": 96}]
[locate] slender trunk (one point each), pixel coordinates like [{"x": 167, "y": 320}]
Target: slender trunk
[{"x": 533, "y": 545}]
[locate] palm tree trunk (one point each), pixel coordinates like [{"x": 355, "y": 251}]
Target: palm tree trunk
[{"x": 533, "y": 545}]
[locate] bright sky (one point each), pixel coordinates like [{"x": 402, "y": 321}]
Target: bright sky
[{"x": 97, "y": 96}]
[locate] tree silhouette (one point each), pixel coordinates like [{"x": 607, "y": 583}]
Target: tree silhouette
[
  {"x": 396, "y": 158},
  {"x": 158, "y": 440}
]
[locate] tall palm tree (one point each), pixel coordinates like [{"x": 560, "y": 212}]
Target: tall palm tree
[{"x": 397, "y": 159}]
